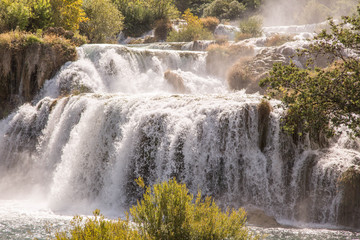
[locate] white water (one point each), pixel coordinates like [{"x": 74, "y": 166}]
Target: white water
[{"x": 74, "y": 153}]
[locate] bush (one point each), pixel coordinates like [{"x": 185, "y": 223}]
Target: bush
[
  {"x": 225, "y": 9},
  {"x": 194, "y": 30},
  {"x": 210, "y": 23},
  {"x": 239, "y": 75},
  {"x": 105, "y": 21},
  {"x": 40, "y": 15},
  {"x": 99, "y": 228},
  {"x": 17, "y": 14},
  {"x": 252, "y": 26},
  {"x": 141, "y": 16},
  {"x": 167, "y": 211},
  {"x": 31, "y": 39},
  {"x": 79, "y": 39},
  {"x": 162, "y": 27},
  {"x": 278, "y": 40},
  {"x": 67, "y": 14}
]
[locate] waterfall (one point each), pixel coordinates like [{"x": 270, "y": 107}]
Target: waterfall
[{"x": 82, "y": 150}]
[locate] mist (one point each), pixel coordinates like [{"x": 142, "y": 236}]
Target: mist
[{"x": 289, "y": 12}]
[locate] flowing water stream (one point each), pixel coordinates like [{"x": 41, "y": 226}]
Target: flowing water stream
[{"x": 111, "y": 117}]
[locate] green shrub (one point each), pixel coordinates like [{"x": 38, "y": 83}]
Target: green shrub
[
  {"x": 141, "y": 16},
  {"x": 225, "y": 9},
  {"x": 105, "y": 20},
  {"x": 40, "y": 15},
  {"x": 99, "y": 228},
  {"x": 194, "y": 30},
  {"x": 252, "y": 26},
  {"x": 17, "y": 14},
  {"x": 67, "y": 14},
  {"x": 31, "y": 39},
  {"x": 167, "y": 211},
  {"x": 79, "y": 39}
]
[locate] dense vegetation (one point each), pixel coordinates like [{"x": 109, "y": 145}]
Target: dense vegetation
[
  {"x": 102, "y": 20},
  {"x": 318, "y": 101},
  {"x": 166, "y": 211}
]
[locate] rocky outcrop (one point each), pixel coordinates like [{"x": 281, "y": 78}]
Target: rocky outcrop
[
  {"x": 250, "y": 72},
  {"x": 349, "y": 208},
  {"x": 24, "y": 68},
  {"x": 259, "y": 218}
]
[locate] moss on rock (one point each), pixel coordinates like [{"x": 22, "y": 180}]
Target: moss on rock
[{"x": 27, "y": 61}]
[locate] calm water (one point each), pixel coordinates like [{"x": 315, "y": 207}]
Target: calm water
[{"x": 26, "y": 220}]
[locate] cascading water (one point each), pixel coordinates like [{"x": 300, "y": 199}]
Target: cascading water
[{"x": 83, "y": 151}]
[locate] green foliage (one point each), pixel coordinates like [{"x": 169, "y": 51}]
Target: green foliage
[
  {"x": 167, "y": 211},
  {"x": 99, "y": 228},
  {"x": 194, "y": 30},
  {"x": 16, "y": 15},
  {"x": 31, "y": 39},
  {"x": 182, "y": 5},
  {"x": 31, "y": 15},
  {"x": 162, "y": 27},
  {"x": 320, "y": 100},
  {"x": 197, "y": 6},
  {"x": 105, "y": 20},
  {"x": 252, "y": 26},
  {"x": 252, "y": 4},
  {"x": 40, "y": 15},
  {"x": 67, "y": 13},
  {"x": 140, "y": 15},
  {"x": 225, "y": 9}
]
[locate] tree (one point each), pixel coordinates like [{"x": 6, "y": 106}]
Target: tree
[
  {"x": 193, "y": 30},
  {"x": 140, "y": 15},
  {"x": 318, "y": 100},
  {"x": 105, "y": 20},
  {"x": 225, "y": 9},
  {"x": 67, "y": 13},
  {"x": 16, "y": 14},
  {"x": 40, "y": 17},
  {"x": 251, "y": 4},
  {"x": 182, "y": 5}
]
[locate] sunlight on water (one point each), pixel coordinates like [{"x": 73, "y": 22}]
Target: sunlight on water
[{"x": 22, "y": 220}]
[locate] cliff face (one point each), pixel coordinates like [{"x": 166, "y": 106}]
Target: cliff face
[{"x": 25, "y": 67}]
